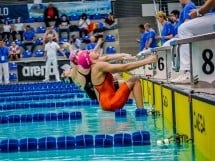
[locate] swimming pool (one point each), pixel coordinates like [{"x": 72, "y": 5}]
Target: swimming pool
[{"x": 93, "y": 121}]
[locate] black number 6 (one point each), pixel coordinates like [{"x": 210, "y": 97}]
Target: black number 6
[{"x": 161, "y": 64}]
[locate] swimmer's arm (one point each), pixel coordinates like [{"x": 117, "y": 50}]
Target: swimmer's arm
[
  {"x": 114, "y": 68},
  {"x": 115, "y": 57}
]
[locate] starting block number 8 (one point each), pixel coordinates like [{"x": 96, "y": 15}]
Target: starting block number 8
[
  {"x": 208, "y": 65},
  {"x": 203, "y": 61}
]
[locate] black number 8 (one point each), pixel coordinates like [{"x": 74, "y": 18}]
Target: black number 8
[
  {"x": 161, "y": 64},
  {"x": 207, "y": 58}
]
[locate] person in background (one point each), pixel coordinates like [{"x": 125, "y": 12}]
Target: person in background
[
  {"x": 18, "y": 28},
  {"x": 143, "y": 37},
  {"x": 167, "y": 31},
  {"x": 186, "y": 18},
  {"x": 28, "y": 38},
  {"x": 151, "y": 41},
  {"x": 110, "y": 22},
  {"x": 14, "y": 52},
  {"x": 183, "y": 17},
  {"x": 4, "y": 53},
  {"x": 50, "y": 31},
  {"x": 174, "y": 19},
  {"x": 6, "y": 30},
  {"x": 51, "y": 49},
  {"x": 76, "y": 42},
  {"x": 83, "y": 25},
  {"x": 51, "y": 14},
  {"x": 64, "y": 25}
]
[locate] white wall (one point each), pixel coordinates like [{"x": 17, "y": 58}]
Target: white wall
[
  {"x": 149, "y": 9},
  {"x": 174, "y": 6},
  {"x": 37, "y": 1}
]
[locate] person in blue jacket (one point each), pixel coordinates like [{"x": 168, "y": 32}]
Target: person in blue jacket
[
  {"x": 143, "y": 37},
  {"x": 168, "y": 30},
  {"x": 4, "y": 53}
]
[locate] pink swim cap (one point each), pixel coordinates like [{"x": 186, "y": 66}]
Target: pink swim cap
[
  {"x": 73, "y": 58},
  {"x": 84, "y": 59}
]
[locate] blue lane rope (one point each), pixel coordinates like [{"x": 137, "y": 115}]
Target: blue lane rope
[
  {"x": 75, "y": 142},
  {"x": 40, "y": 117},
  {"x": 75, "y": 102}
]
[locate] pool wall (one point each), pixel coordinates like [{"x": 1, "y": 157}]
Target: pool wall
[{"x": 185, "y": 112}]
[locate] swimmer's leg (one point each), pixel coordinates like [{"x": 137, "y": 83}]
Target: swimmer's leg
[
  {"x": 134, "y": 84},
  {"x": 120, "y": 83}
]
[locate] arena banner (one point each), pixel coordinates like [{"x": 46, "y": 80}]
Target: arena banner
[
  {"x": 70, "y": 8},
  {"x": 35, "y": 70},
  {"x": 14, "y": 11}
]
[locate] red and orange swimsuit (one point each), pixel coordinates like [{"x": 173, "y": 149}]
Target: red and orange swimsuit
[{"x": 109, "y": 98}]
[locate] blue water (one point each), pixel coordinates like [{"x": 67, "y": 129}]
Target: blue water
[{"x": 94, "y": 121}]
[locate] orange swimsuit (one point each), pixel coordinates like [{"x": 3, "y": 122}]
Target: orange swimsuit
[{"x": 109, "y": 98}]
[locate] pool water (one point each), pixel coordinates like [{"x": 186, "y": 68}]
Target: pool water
[{"x": 94, "y": 121}]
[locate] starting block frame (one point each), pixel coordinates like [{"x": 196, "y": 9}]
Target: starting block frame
[
  {"x": 202, "y": 59},
  {"x": 164, "y": 65}
]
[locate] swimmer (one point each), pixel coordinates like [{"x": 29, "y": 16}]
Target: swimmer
[
  {"x": 81, "y": 75},
  {"x": 102, "y": 80}
]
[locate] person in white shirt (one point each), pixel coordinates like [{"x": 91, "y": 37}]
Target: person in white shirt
[
  {"x": 83, "y": 25},
  {"x": 51, "y": 49},
  {"x": 18, "y": 28},
  {"x": 6, "y": 30}
]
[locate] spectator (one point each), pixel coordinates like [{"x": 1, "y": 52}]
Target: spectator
[
  {"x": 151, "y": 41},
  {"x": 28, "y": 38},
  {"x": 83, "y": 25},
  {"x": 51, "y": 14},
  {"x": 4, "y": 53},
  {"x": 174, "y": 19},
  {"x": 202, "y": 22},
  {"x": 110, "y": 22},
  {"x": 18, "y": 28},
  {"x": 184, "y": 33},
  {"x": 15, "y": 51},
  {"x": 143, "y": 37},
  {"x": 184, "y": 17},
  {"x": 6, "y": 30},
  {"x": 52, "y": 32},
  {"x": 64, "y": 25},
  {"x": 51, "y": 49},
  {"x": 93, "y": 45},
  {"x": 167, "y": 31},
  {"x": 76, "y": 42}
]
